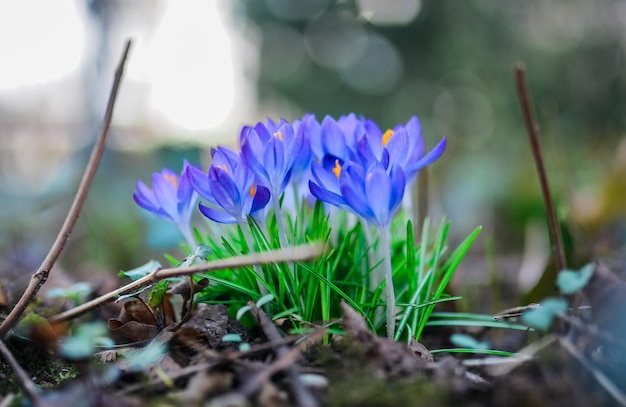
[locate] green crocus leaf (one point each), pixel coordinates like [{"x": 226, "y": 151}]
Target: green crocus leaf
[
  {"x": 541, "y": 317},
  {"x": 571, "y": 281}
]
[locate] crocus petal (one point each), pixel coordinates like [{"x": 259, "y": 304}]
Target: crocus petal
[
  {"x": 303, "y": 159},
  {"x": 248, "y": 155},
  {"x": 263, "y": 133},
  {"x": 351, "y": 185},
  {"x": 374, "y": 134},
  {"x": 432, "y": 156},
  {"x": 286, "y": 180},
  {"x": 378, "y": 192},
  {"x": 353, "y": 129},
  {"x": 261, "y": 198},
  {"x": 325, "y": 177},
  {"x": 216, "y": 215},
  {"x": 312, "y": 130},
  {"x": 273, "y": 157},
  {"x": 333, "y": 138},
  {"x": 296, "y": 143},
  {"x": 398, "y": 186},
  {"x": 145, "y": 197},
  {"x": 399, "y": 147},
  {"x": 327, "y": 196},
  {"x": 199, "y": 180},
  {"x": 166, "y": 193},
  {"x": 413, "y": 127},
  {"x": 366, "y": 154},
  {"x": 225, "y": 191}
]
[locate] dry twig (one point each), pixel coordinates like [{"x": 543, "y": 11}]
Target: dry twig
[
  {"x": 533, "y": 136},
  {"x": 39, "y": 278},
  {"x": 286, "y": 359},
  {"x": 298, "y": 253}
]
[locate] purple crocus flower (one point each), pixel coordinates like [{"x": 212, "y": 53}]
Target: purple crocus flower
[
  {"x": 405, "y": 145},
  {"x": 324, "y": 184},
  {"x": 172, "y": 198},
  {"x": 374, "y": 193},
  {"x": 270, "y": 150},
  {"x": 229, "y": 187}
]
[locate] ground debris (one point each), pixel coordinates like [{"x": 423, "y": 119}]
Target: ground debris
[{"x": 390, "y": 357}]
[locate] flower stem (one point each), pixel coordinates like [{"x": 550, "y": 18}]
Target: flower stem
[
  {"x": 188, "y": 237},
  {"x": 375, "y": 276},
  {"x": 257, "y": 268},
  {"x": 389, "y": 291}
]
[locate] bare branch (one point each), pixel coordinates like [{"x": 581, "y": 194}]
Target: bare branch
[{"x": 39, "y": 278}]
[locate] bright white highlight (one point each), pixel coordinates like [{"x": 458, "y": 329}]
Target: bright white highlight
[
  {"x": 189, "y": 66},
  {"x": 40, "y": 41}
]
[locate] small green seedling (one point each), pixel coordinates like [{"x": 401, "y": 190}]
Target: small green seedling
[
  {"x": 236, "y": 338},
  {"x": 77, "y": 293},
  {"x": 85, "y": 340}
]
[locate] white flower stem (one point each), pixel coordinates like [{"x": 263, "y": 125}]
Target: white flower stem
[
  {"x": 375, "y": 277},
  {"x": 193, "y": 245},
  {"x": 389, "y": 291}
]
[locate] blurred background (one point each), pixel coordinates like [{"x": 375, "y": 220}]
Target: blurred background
[{"x": 199, "y": 70}]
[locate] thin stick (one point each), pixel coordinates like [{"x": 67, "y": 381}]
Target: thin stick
[
  {"x": 283, "y": 362},
  {"x": 301, "y": 394},
  {"x": 30, "y": 389},
  {"x": 533, "y": 136},
  {"x": 297, "y": 253},
  {"x": 39, "y": 278}
]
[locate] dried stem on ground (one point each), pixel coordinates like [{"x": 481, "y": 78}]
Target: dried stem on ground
[
  {"x": 533, "y": 136},
  {"x": 301, "y": 394},
  {"x": 39, "y": 278},
  {"x": 297, "y": 253}
]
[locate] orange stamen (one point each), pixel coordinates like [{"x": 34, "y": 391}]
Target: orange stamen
[
  {"x": 337, "y": 169},
  {"x": 173, "y": 179},
  {"x": 279, "y": 134},
  {"x": 252, "y": 190},
  {"x": 387, "y": 136}
]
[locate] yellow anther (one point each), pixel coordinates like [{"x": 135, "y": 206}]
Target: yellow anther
[
  {"x": 387, "y": 136},
  {"x": 279, "y": 134},
  {"x": 223, "y": 168},
  {"x": 337, "y": 169},
  {"x": 252, "y": 190},
  {"x": 173, "y": 179}
]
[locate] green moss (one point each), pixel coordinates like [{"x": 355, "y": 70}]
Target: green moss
[{"x": 46, "y": 370}]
